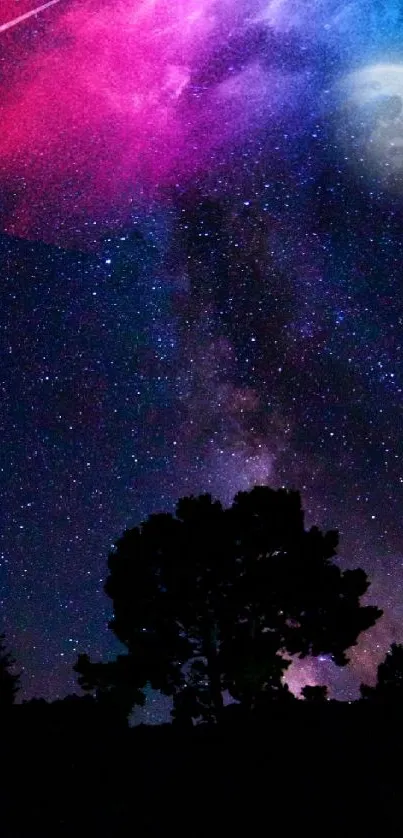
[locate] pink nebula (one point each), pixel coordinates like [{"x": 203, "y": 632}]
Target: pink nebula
[{"x": 109, "y": 106}]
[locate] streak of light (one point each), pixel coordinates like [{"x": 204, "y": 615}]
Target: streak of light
[{"x": 21, "y": 18}]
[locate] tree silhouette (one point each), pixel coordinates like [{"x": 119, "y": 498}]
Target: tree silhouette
[
  {"x": 9, "y": 679},
  {"x": 389, "y": 684},
  {"x": 211, "y": 599},
  {"x": 315, "y": 694}
]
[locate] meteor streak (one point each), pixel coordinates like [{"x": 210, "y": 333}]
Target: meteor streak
[{"x": 21, "y": 18}]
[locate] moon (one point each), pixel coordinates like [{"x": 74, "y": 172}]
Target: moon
[{"x": 370, "y": 121}]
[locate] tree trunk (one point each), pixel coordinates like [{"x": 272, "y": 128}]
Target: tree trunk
[
  {"x": 214, "y": 676},
  {"x": 213, "y": 671}
]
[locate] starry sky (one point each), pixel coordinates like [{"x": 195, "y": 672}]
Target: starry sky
[{"x": 201, "y": 221}]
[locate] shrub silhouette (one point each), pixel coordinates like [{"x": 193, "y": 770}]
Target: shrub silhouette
[{"x": 315, "y": 694}]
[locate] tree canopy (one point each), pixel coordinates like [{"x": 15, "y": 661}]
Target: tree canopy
[{"x": 212, "y": 599}]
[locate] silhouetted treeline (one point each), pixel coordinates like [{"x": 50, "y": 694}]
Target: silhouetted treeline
[{"x": 207, "y": 600}]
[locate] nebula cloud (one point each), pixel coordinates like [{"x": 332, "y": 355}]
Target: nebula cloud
[{"x": 118, "y": 101}]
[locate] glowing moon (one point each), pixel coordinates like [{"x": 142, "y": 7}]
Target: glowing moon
[{"x": 371, "y": 121}]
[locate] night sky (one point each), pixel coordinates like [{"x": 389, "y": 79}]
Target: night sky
[{"x": 201, "y": 216}]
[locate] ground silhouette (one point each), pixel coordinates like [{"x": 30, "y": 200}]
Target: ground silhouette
[{"x": 315, "y": 767}]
